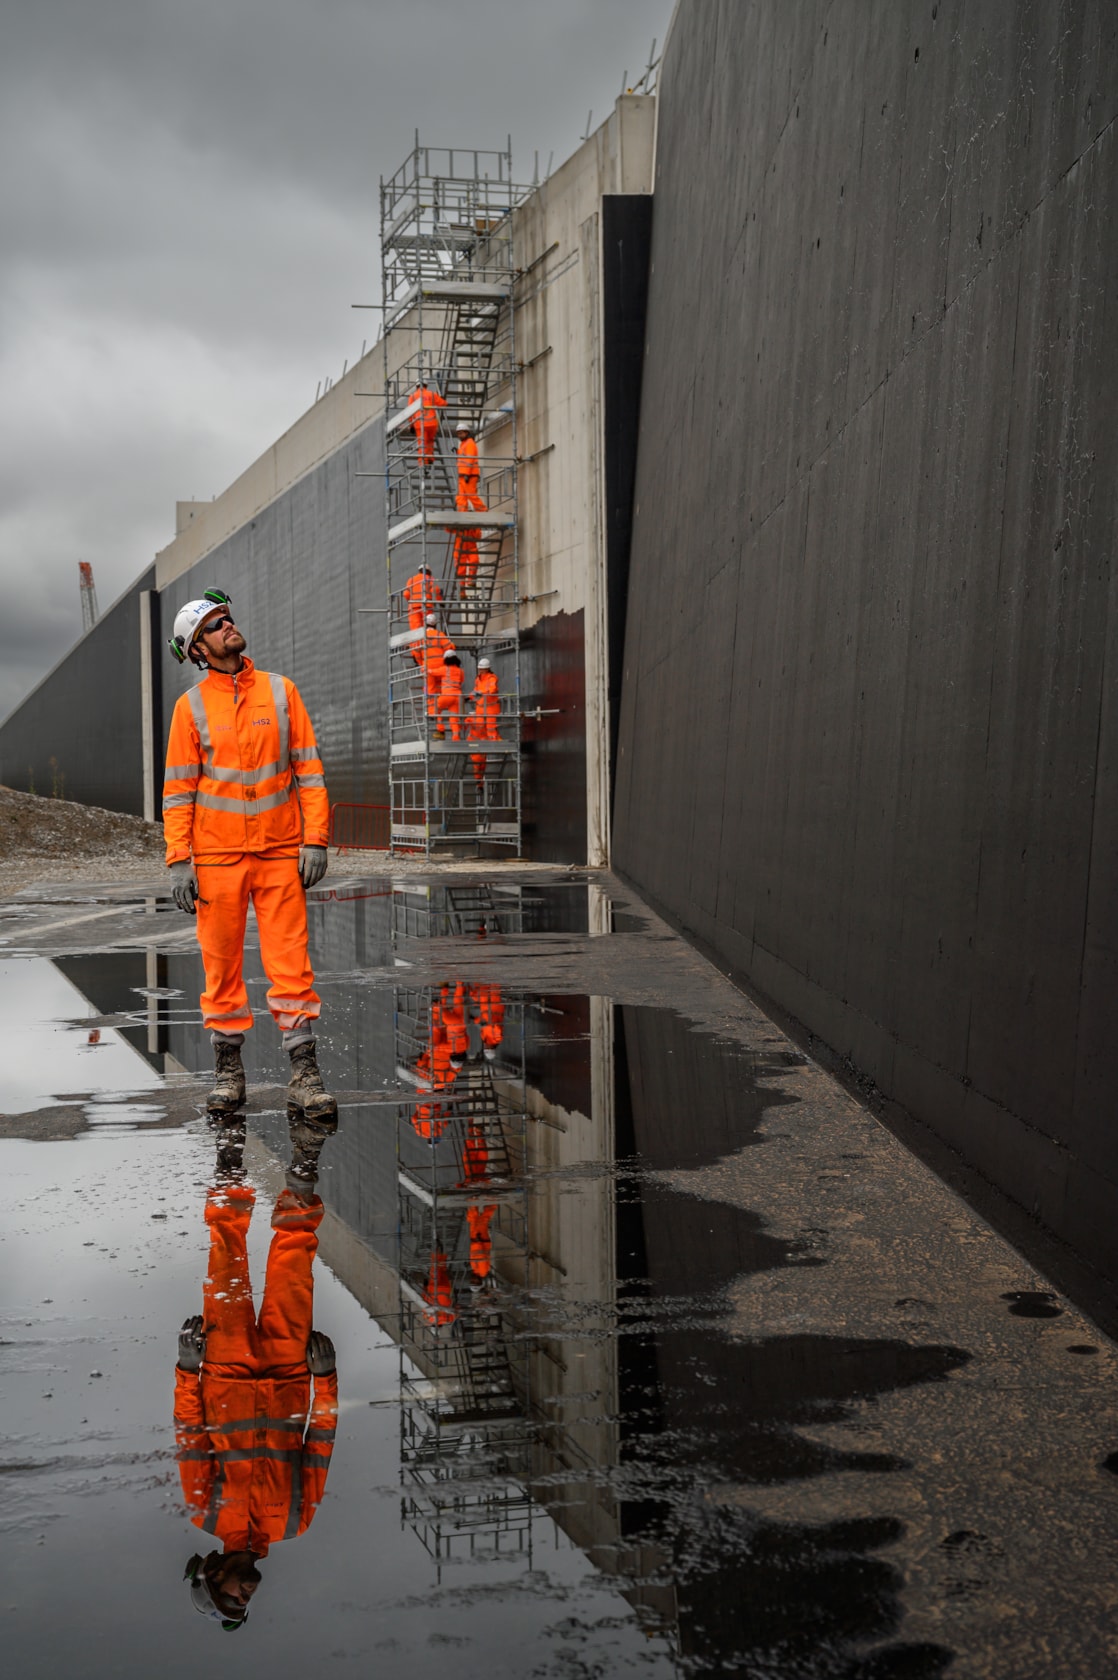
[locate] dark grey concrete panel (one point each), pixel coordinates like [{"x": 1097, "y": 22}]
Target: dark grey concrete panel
[
  {"x": 553, "y": 678},
  {"x": 85, "y": 716},
  {"x": 626, "y": 240},
  {"x": 867, "y": 744}
]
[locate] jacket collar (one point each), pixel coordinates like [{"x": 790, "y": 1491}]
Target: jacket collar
[{"x": 223, "y": 680}]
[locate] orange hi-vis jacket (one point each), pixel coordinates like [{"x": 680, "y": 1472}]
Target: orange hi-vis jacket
[
  {"x": 243, "y": 772},
  {"x": 249, "y": 1473},
  {"x": 429, "y": 413},
  {"x": 487, "y": 707},
  {"x": 421, "y": 593},
  {"x": 469, "y": 477}
]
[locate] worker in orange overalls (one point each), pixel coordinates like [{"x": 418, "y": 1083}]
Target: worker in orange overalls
[
  {"x": 469, "y": 472},
  {"x": 253, "y": 1447},
  {"x": 246, "y": 818},
  {"x": 438, "y": 1291},
  {"x": 422, "y": 594},
  {"x": 490, "y": 1005},
  {"x": 467, "y": 500},
  {"x": 435, "y": 644},
  {"x": 425, "y": 423},
  {"x": 429, "y": 1121},
  {"x": 452, "y": 1014},
  {"x": 439, "y": 1063},
  {"x": 466, "y": 559},
  {"x": 481, "y": 1242},
  {"x": 482, "y": 726},
  {"x": 450, "y": 695}
]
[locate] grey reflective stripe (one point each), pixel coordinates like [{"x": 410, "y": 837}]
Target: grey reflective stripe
[
  {"x": 270, "y": 801},
  {"x": 293, "y": 1003},
  {"x": 247, "y": 778},
  {"x": 243, "y": 1455},
  {"x": 292, "y": 1425},
  {"x": 321, "y": 1433},
  {"x": 283, "y": 716},
  {"x": 301, "y": 754},
  {"x": 201, "y": 722},
  {"x": 230, "y": 1015},
  {"x": 172, "y": 801},
  {"x": 295, "y": 1509},
  {"x": 201, "y": 1457},
  {"x": 212, "y": 802},
  {"x": 307, "y": 778},
  {"x": 175, "y": 772}
]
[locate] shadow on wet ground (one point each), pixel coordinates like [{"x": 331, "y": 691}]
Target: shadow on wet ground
[{"x": 655, "y": 1353}]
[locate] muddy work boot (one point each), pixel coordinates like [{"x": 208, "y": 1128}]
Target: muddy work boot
[
  {"x": 307, "y": 1138},
  {"x": 229, "y": 1135},
  {"x": 307, "y": 1096},
  {"x": 228, "y": 1094}
]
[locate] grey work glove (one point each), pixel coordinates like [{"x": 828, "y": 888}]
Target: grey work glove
[
  {"x": 321, "y": 1359},
  {"x": 312, "y": 864},
  {"x": 192, "y": 1344},
  {"x": 184, "y": 886}
]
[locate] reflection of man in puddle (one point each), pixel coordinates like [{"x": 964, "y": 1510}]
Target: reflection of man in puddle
[{"x": 253, "y": 1448}]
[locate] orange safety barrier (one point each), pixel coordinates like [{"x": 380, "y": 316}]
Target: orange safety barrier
[{"x": 359, "y": 828}]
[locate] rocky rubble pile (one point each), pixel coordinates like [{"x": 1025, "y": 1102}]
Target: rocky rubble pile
[{"x": 31, "y": 827}]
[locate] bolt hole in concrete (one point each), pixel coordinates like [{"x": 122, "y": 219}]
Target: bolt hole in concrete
[{"x": 605, "y": 1401}]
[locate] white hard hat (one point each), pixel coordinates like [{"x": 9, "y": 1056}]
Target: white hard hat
[
  {"x": 451, "y": 653},
  {"x": 430, "y": 618},
  {"x": 463, "y": 426},
  {"x": 483, "y": 665},
  {"x": 490, "y": 1054},
  {"x": 189, "y": 620}
]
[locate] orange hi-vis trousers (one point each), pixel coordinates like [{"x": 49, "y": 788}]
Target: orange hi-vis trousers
[
  {"x": 276, "y": 892},
  {"x": 253, "y": 1450}
]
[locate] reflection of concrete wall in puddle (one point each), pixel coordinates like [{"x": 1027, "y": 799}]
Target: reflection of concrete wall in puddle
[{"x": 573, "y": 1392}]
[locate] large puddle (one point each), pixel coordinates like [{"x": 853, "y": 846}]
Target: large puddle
[{"x": 557, "y": 1452}]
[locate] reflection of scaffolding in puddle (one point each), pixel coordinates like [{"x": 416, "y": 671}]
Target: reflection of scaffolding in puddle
[
  {"x": 455, "y": 910},
  {"x": 463, "y": 1230}
]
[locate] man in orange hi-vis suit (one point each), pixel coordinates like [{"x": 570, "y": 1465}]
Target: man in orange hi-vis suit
[
  {"x": 469, "y": 471},
  {"x": 468, "y": 500},
  {"x": 450, "y": 696},
  {"x": 422, "y": 594},
  {"x": 246, "y": 817},
  {"x": 490, "y": 1005},
  {"x": 425, "y": 423},
  {"x": 253, "y": 1448},
  {"x": 482, "y": 726},
  {"x": 435, "y": 644}
]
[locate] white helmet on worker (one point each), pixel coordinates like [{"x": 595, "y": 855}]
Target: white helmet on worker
[
  {"x": 450, "y": 656},
  {"x": 483, "y": 665},
  {"x": 431, "y": 618},
  {"x": 191, "y": 620},
  {"x": 465, "y": 427}
]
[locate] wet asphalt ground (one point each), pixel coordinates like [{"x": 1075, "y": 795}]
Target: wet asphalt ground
[{"x": 656, "y": 1352}]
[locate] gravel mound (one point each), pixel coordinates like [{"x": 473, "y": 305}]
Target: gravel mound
[{"x": 31, "y": 827}]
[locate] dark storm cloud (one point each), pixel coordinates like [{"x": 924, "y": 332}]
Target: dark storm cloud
[{"x": 189, "y": 204}]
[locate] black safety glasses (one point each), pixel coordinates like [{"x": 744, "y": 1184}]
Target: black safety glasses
[{"x": 215, "y": 624}]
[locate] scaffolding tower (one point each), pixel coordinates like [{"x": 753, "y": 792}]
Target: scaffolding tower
[
  {"x": 463, "y": 1226},
  {"x": 450, "y": 356}
]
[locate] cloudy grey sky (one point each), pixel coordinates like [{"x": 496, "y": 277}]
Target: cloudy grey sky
[{"x": 188, "y": 195}]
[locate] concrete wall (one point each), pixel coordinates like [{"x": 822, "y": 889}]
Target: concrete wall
[
  {"x": 562, "y": 334},
  {"x": 86, "y": 715},
  {"x": 869, "y": 749}
]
